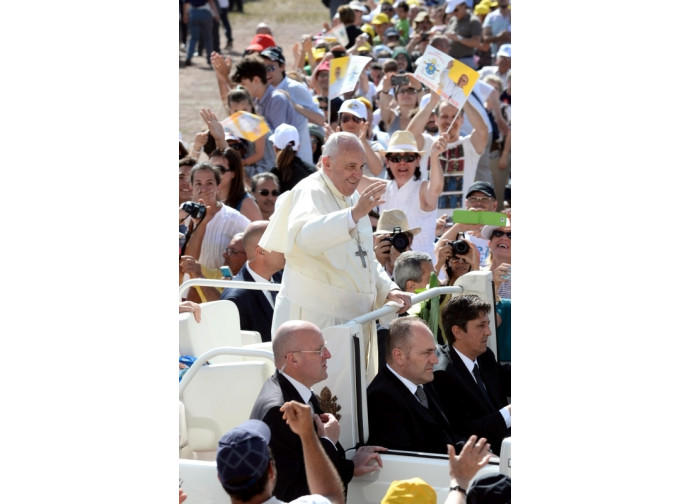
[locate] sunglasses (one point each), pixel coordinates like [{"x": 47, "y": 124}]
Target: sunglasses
[
  {"x": 223, "y": 170},
  {"x": 396, "y": 158},
  {"x": 408, "y": 90},
  {"x": 271, "y": 68},
  {"x": 498, "y": 233},
  {"x": 274, "y": 192},
  {"x": 347, "y": 118}
]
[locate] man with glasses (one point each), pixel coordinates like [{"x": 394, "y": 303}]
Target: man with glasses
[
  {"x": 235, "y": 256},
  {"x": 301, "y": 360},
  {"x": 481, "y": 196},
  {"x": 266, "y": 189},
  {"x": 255, "y": 306}
]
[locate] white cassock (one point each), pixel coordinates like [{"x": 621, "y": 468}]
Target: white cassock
[
  {"x": 449, "y": 90},
  {"x": 324, "y": 281}
]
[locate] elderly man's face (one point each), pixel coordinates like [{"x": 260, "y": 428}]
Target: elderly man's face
[
  {"x": 345, "y": 168},
  {"x": 480, "y": 201},
  {"x": 463, "y": 80},
  {"x": 308, "y": 357},
  {"x": 235, "y": 255}
]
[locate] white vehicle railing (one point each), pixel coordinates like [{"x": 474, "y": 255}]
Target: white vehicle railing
[
  {"x": 218, "y": 282},
  {"x": 206, "y": 356}
]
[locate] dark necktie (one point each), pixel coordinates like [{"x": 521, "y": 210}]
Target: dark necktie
[
  {"x": 421, "y": 395},
  {"x": 274, "y": 293},
  {"x": 482, "y": 387},
  {"x": 315, "y": 404}
]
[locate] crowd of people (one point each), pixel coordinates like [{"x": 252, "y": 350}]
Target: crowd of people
[{"x": 348, "y": 204}]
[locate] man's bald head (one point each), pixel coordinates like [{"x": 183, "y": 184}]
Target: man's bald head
[
  {"x": 252, "y": 235},
  {"x": 286, "y": 335},
  {"x": 300, "y": 352}
]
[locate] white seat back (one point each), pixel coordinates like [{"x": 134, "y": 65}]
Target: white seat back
[
  {"x": 219, "y": 327},
  {"x": 218, "y": 398}
]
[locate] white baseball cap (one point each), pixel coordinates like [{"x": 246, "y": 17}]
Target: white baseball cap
[
  {"x": 453, "y": 4},
  {"x": 504, "y": 50},
  {"x": 354, "y": 107},
  {"x": 284, "y": 134}
]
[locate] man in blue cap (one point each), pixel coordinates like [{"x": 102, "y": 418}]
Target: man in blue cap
[{"x": 247, "y": 472}]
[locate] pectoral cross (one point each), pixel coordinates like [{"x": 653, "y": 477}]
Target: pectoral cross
[{"x": 361, "y": 253}]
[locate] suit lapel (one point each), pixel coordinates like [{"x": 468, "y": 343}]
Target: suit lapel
[
  {"x": 289, "y": 392},
  {"x": 466, "y": 377},
  {"x": 417, "y": 407},
  {"x": 259, "y": 296}
]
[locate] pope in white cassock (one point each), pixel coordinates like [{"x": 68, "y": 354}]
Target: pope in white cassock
[{"x": 331, "y": 274}]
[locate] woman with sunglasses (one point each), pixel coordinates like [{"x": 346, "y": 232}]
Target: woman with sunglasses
[
  {"x": 406, "y": 102},
  {"x": 499, "y": 264},
  {"x": 499, "y": 257},
  {"x": 231, "y": 190},
  {"x": 407, "y": 190},
  {"x": 290, "y": 169}
]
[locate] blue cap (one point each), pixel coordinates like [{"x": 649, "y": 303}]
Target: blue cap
[{"x": 242, "y": 457}]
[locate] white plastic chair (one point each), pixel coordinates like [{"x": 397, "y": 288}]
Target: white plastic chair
[
  {"x": 217, "y": 397},
  {"x": 219, "y": 327}
]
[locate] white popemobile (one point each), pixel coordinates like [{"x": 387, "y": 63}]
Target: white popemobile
[{"x": 216, "y": 397}]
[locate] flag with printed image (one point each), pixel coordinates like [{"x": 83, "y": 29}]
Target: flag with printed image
[
  {"x": 245, "y": 125},
  {"x": 446, "y": 76},
  {"x": 344, "y": 74}
]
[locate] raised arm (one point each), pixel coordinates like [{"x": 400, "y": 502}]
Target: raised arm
[
  {"x": 480, "y": 133},
  {"x": 214, "y": 127},
  {"x": 385, "y": 99},
  {"x": 322, "y": 477},
  {"x": 222, "y": 66},
  {"x": 417, "y": 123},
  {"x": 431, "y": 191},
  {"x": 474, "y": 455}
]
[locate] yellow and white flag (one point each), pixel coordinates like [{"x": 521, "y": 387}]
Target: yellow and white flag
[{"x": 446, "y": 76}]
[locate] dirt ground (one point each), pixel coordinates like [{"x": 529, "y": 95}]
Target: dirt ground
[{"x": 288, "y": 19}]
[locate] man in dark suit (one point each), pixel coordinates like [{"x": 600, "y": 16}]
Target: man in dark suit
[
  {"x": 256, "y": 306},
  {"x": 301, "y": 360},
  {"x": 472, "y": 386},
  {"x": 404, "y": 412}
]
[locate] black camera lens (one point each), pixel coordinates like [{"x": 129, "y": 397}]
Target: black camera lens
[
  {"x": 460, "y": 247},
  {"x": 400, "y": 241}
]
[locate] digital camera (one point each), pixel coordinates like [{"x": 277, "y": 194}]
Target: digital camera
[
  {"x": 460, "y": 247},
  {"x": 398, "y": 239},
  {"x": 196, "y": 210}
]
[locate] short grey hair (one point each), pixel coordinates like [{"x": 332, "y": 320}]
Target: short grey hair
[
  {"x": 408, "y": 266},
  {"x": 337, "y": 140}
]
